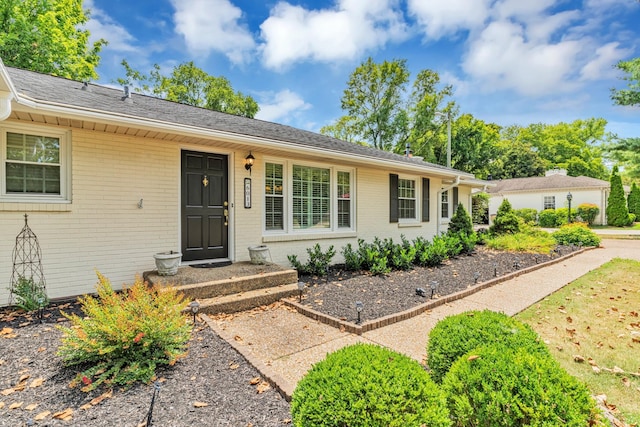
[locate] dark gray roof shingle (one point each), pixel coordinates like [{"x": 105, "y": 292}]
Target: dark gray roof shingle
[
  {"x": 66, "y": 92},
  {"x": 551, "y": 182}
]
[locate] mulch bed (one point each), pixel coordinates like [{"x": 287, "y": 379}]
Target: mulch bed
[
  {"x": 213, "y": 385},
  {"x": 213, "y": 374},
  {"x": 337, "y": 293}
]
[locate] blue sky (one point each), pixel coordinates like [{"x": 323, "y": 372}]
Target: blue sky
[{"x": 509, "y": 61}]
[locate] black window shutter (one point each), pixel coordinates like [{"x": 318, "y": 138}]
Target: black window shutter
[
  {"x": 425, "y": 199},
  {"x": 393, "y": 198},
  {"x": 455, "y": 199}
]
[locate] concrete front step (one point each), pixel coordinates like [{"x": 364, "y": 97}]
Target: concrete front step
[
  {"x": 237, "y": 285},
  {"x": 247, "y": 300}
]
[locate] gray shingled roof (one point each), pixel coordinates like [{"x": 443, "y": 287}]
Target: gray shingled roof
[
  {"x": 551, "y": 182},
  {"x": 62, "y": 91}
]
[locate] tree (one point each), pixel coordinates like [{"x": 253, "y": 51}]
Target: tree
[
  {"x": 516, "y": 160},
  {"x": 617, "y": 211},
  {"x": 630, "y": 96},
  {"x": 374, "y": 98},
  {"x": 344, "y": 128},
  {"x": 47, "y": 37},
  {"x": 473, "y": 145},
  {"x": 633, "y": 201},
  {"x": 506, "y": 220},
  {"x": 191, "y": 85},
  {"x": 627, "y": 153},
  {"x": 460, "y": 221}
]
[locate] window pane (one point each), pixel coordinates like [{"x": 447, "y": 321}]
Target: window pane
[
  {"x": 25, "y": 178},
  {"x": 274, "y": 201},
  {"x": 311, "y": 197},
  {"x": 445, "y": 204},
  {"x": 32, "y": 148},
  {"x": 274, "y": 214},
  {"x": 406, "y": 199}
]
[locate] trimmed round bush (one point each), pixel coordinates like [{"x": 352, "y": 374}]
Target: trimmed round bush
[
  {"x": 497, "y": 385},
  {"x": 528, "y": 215},
  {"x": 588, "y": 212},
  {"x": 367, "y": 385},
  {"x": 454, "y": 336},
  {"x": 576, "y": 233},
  {"x": 547, "y": 218}
]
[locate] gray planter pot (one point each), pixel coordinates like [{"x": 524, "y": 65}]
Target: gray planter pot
[
  {"x": 167, "y": 263},
  {"x": 258, "y": 254}
]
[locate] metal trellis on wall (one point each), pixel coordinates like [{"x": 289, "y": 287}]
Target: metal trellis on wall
[{"x": 27, "y": 261}]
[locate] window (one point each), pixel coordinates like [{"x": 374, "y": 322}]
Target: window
[
  {"x": 445, "y": 204},
  {"x": 321, "y": 198},
  {"x": 274, "y": 199},
  {"x": 344, "y": 199},
  {"x": 34, "y": 166},
  {"x": 406, "y": 199},
  {"x": 549, "y": 202},
  {"x": 311, "y": 198}
]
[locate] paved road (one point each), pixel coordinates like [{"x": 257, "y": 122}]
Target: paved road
[{"x": 284, "y": 345}]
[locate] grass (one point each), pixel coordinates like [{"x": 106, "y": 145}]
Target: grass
[
  {"x": 536, "y": 242},
  {"x": 635, "y": 226},
  {"x": 596, "y": 318}
]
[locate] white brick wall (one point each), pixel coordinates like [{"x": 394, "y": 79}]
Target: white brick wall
[{"x": 103, "y": 229}]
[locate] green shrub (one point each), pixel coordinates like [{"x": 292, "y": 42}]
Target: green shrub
[
  {"x": 467, "y": 242},
  {"x": 403, "y": 256},
  {"x": 318, "y": 263},
  {"x": 480, "y": 208},
  {"x": 124, "y": 336},
  {"x": 506, "y": 221},
  {"x": 460, "y": 222},
  {"x": 29, "y": 295},
  {"x": 456, "y": 335},
  {"x": 588, "y": 212},
  {"x": 434, "y": 253},
  {"x": 633, "y": 200},
  {"x": 575, "y": 234},
  {"x": 498, "y": 385},
  {"x": 380, "y": 266},
  {"x": 533, "y": 242},
  {"x": 547, "y": 218},
  {"x": 352, "y": 260},
  {"x": 528, "y": 215},
  {"x": 617, "y": 210},
  {"x": 369, "y": 386},
  {"x": 562, "y": 216}
]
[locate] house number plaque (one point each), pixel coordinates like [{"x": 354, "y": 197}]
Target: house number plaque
[{"x": 247, "y": 193}]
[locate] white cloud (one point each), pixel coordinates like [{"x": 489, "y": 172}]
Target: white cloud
[
  {"x": 280, "y": 106},
  {"x": 601, "y": 66},
  {"x": 503, "y": 58},
  {"x": 213, "y": 25},
  {"x": 445, "y": 17},
  {"x": 102, "y": 26},
  {"x": 293, "y": 33}
]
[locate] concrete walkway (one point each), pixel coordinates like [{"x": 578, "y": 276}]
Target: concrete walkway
[{"x": 283, "y": 345}]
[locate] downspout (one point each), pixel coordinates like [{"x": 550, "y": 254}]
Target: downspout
[
  {"x": 439, "y": 202},
  {"x": 5, "y": 105}
]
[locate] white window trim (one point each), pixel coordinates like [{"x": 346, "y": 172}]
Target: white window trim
[
  {"x": 417, "y": 198},
  {"x": 65, "y": 164},
  {"x": 449, "y": 203},
  {"x": 287, "y": 166}
]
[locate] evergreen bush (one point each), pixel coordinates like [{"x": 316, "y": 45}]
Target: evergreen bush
[
  {"x": 123, "y": 337},
  {"x": 456, "y": 335},
  {"x": 576, "y": 233},
  {"x": 499, "y": 385},
  {"x": 365, "y": 385},
  {"x": 588, "y": 212},
  {"x": 547, "y": 218},
  {"x": 617, "y": 210},
  {"x": 506, "y": 221},
  {"x": 318, "y": 262},
  {"x": 460, "y": 222},
  {"x": 528, "y": 215},
  {"x": 633, "y": 201}
]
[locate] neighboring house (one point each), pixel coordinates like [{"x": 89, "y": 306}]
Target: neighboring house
[
  {"x": 108, "y": 179},
  {"x": 550, "y": 192}
]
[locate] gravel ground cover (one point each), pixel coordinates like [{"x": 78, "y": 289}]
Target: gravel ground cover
[
  {"x": 212, "y": 386},
  {"x": 336, "y": 293}
]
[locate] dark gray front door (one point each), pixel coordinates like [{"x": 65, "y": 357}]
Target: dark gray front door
[{"x": 205, "y": 207}]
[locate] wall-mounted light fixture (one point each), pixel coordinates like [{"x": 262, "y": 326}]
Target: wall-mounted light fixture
[{"x": 248, "y": 162}]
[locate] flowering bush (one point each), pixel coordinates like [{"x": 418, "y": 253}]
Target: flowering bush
[{"x": 124, "y": 336}]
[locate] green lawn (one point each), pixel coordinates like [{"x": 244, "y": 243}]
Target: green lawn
[{"x": 592, "y": 327}]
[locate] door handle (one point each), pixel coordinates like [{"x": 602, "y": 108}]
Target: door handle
[{"x": 226, "y": 217}]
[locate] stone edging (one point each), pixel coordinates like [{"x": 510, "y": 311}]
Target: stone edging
[
  {"x": 271, "y": 376},
  {"x": 421, "y": 308}
]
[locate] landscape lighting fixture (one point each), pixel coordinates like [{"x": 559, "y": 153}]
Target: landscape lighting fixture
[
  {"x": 248, "y": 162},
  {"x": 476, "y": 276},
  {"x": 301, "y": 286},
  {"x": 359, "y": 307},
  {"x": 194, "y": 306},
  {"x": 495, "y": 269},
  {"x": 569, "y": 198},
  {"x": 434, "y": 286},
  {"x": 40, "y": 308},
  {"x": 421, "y": 292}
]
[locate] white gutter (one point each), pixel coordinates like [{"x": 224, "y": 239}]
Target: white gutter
[
  {"x": 5, "y": 105},
  {"x": 439, "y": 201},
  {"x": 7, "y": 93}
]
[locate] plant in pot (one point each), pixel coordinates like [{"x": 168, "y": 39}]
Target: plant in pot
[{"x": 167, "y": 262}]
